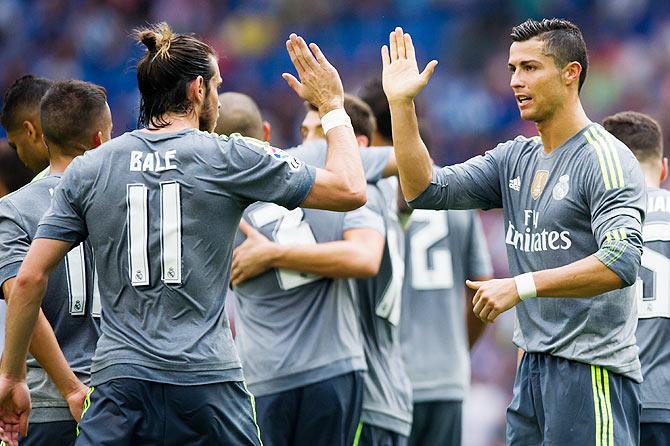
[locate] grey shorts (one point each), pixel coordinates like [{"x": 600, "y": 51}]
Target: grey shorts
[
  {"x": 560, "y": 402},
  {"x": 54, "y": 433},
  {"x": 438, "y": 423},
  {"x": 369, "y": 435},
  {"x": 133, "y": 412}
]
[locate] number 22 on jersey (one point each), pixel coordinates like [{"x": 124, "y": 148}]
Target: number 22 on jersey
[{"x": 431, "y": 268}]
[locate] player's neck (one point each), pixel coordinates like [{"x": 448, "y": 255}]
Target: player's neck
[
  {"x": 58, "y": 163},
  {"x": 175, "y": 122},
  {"x": 563, "y": 125},
  {"x": 652, "y": 177}
]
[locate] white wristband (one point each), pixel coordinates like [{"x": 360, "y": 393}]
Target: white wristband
[
  {"x": 334, "y": 118},
  {"x": 525, "y": 286}
]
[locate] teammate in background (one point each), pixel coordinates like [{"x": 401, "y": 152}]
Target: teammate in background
[
  {"x": 643, "y": 136},
  {"x": 438, "y": 326},
  {"x": 574, "y": 203},
  {"x": 165, "y": 365},
  {"x": 240, "y": 114},
  {"x": 13, "y": 173},
  {"x": 71, "y": 304},
  {"x": 297, "y": 324},
  {"x": 21, "y": 120}
]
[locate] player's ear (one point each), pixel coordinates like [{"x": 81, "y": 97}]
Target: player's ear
[
  {"x": 571, "y": 73},
  {"x": 664, "y": 169},
  {"x": 363, "y": 141},
  {"x": 97, "y": 139},
  {"x": 267, "y": 130},
  {"x": 31, "y": 130},
  {"x": 196, "y": 89}
]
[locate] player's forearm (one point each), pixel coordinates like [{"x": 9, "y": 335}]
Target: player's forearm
[
  {"x": 340, "y": 259},
  {"x": 414, "y": 164},
  {"x": 44, "y": 347},
  {"x": 584, "y": 278},
  {"x": 344, "y": 160},
  {"x": 22, "y": 312},
  {"x": 475, "y": 326}
]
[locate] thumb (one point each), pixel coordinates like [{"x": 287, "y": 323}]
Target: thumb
[
  {"x": 23, "y": 423},
  {"x": 428, "y": 71},
  {"x": 475, "y": 285},
  {"x": 247, "y": 229},
  {"x": 292, "y": 82}
]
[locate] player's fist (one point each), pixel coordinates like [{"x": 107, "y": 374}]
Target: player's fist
[
  {"x": 319, "y": 82},
  {"x": 400, "y": 74},
  {"x": 493, "y": 297},
  {"x": 14, "y": 409}
]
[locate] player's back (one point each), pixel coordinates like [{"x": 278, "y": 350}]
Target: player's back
[
  {"x": 71, "y": 301},
  {"x": 653, "y": 299},
  {"x": 443, "y": 248},
  {"x": 387, "y": 399},
  {"x": 161, "y": 211}
]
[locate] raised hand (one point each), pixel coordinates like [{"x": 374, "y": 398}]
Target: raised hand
[
  {"x": 319, "y": 82},
  {"x": 400, "y": 74},
  {"x": 14, "y": 409}
]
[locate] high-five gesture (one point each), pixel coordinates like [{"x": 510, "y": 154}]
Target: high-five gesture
[
  {"x": 320, "y": 82},
  {"x": 400, "y": 76}
]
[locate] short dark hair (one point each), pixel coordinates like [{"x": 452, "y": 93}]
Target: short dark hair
[
  {"x": 373, "y": 94},
  {"x": 640, "y": 132},
  {"x": 163, "y": 74},
  {"x": 239, "y": 114},
  {"x": 70, "y": 112},
  {"x": 22, "y": 97},
  {"x": 13, "y": 173},
  {"x": 563, "y": 41},
  {"x": 362, "y": 118}
]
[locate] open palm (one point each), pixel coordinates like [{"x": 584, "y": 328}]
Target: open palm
[{"x": 401, "y": 78}]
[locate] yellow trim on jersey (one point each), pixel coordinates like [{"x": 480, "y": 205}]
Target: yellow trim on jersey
[
  {"x": 601, "y": 160},
  {"x": 623, "y": 233},
  {"x": 608, "y": 236},
  {"x": 600, "y": 141},
  {"x": 615, "y": 153}
]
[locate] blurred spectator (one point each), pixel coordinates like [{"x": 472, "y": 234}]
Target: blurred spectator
[{"x": 13, "y": 174}]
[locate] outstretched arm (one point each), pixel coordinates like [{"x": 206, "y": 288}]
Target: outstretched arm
[
  {"x": 341, "y": 184},
  {"x": 402, "y": 82}
]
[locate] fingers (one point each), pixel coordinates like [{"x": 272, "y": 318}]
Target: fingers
[
  {"x": 292, "y": 82},
  {"x": 386, "y": 60},
  {"x": 246, "y": 228},
  {"x": 393, "y": 45},
  {"x": 493, "y": 315},
  {"x": 303, "y": 53},
  {"x": 23, "y": 423},
  {"x": 409, "y": 47},
  {"x": 292, "y": 53},
  {"x": 473, "y": 284},
  {"x": 428, "y": 71},
  {"x": 400, "y": 43},
  {"x": 319, "y": 55}
]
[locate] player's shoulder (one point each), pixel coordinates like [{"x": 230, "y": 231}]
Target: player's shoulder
[
  {"x": 518, "y": 147},
  {"x": 29, "y": 192},
  {"x": 658, "y": 204}
]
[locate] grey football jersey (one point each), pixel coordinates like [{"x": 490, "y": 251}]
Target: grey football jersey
[
  {"x": 653, "y": 306},
  {"x": 294, "y": 329},
  {"x": 161, "y": 211},
  {"x": 443, "y": 249},
  {"x": 585, "y": 197},
  {"x": 71, "y": 302},
  {"x": 387, "y": 397}
]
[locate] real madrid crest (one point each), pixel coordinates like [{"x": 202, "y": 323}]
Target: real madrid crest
[
  {"x": 562, "y": 187},
  {"x": 539, "y": 181}
]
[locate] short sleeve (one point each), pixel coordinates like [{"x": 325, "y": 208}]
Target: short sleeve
[
  {"x": 474, "y": 184},
  {"x": 479, "y": 264},
  {"x": 65, "y": 219},
  {"x": 370, "y": 216},
  {"x": 14, "y": 241},
  {"x": 259, "y": 172}
]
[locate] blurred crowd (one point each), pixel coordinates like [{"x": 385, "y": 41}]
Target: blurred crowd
[{"x": 466, "y": 109}]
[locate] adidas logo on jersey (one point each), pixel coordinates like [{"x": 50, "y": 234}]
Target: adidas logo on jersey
[{"x": 515, "y": 184}]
